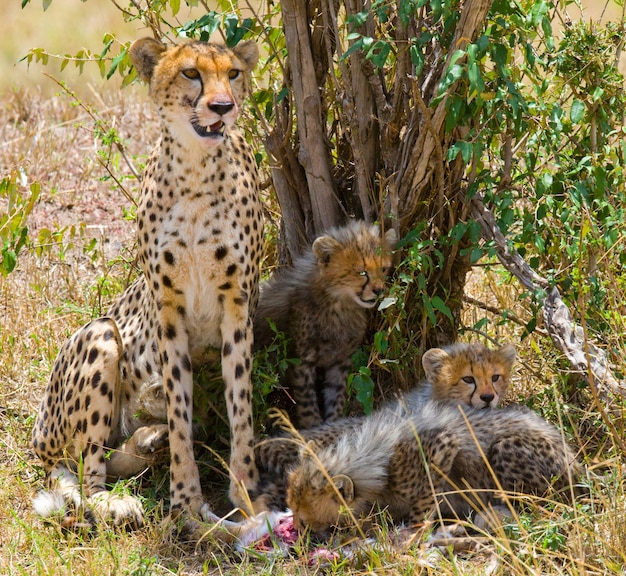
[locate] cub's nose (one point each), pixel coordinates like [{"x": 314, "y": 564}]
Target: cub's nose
[
  {"x": 487, "y": 398},
  {"x": 221, "y": 108}
]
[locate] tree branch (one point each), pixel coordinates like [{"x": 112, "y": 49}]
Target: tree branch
[{"x": 585, "y": 357}]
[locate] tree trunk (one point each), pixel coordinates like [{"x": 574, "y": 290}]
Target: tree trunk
[{"x": 313, "y": 152}]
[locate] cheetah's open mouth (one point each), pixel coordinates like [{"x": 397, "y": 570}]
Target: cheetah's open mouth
[{"x": 213, "y": 131}]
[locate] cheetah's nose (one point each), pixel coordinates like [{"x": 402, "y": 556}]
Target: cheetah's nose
[
  {"x": 221, "y": 108},
  {"x": 487, "y": 398}
]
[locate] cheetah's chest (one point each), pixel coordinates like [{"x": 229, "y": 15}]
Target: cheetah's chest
[{"x": 200, "y": 232}]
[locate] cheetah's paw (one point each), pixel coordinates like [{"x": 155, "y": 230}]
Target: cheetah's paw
[{"x": 118, "y": 509}]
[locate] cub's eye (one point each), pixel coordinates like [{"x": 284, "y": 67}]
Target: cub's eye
[
  {"x": 468, "y": 379},
  {"x": 232, "y": 74},
  {"x": 495, "y": 377},
  {"x": 362, "y": 273},
  {"x": 191, "y": 73}
]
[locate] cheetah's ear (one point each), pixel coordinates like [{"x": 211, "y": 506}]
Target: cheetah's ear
[
  {"x": 344, "y": 486},
  {"x": 508, "y": 353},
  {"x": 324, "y": 247},
  {"x": 248, "y": 52},
  {"x": 145, "y": 53},
  {"x": 433, "y": 361}
]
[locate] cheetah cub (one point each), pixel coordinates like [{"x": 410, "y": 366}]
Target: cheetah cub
[
  {"x": 469, "y": 373},
  {"x": 431, "y": 463},
  {"x": 199, "y": 230},
  {"x": 466, "y": 374},
  {"x": 321, "y": 304}
]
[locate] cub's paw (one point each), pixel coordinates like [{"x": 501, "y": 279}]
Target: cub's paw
[{"x": 151, "y": 439}]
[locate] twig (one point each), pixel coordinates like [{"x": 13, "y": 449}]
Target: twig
[{"x": 585, "y": 357}]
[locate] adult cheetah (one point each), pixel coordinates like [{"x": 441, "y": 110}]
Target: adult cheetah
[{"x": 199, "y": 235}]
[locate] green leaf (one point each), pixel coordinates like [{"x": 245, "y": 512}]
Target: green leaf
[
  {"x": 439, "y": 304},
  {"x": 115, "y": 63},
  {"x": 363, "y": 385},
  {"x": 378, "y": 53},
  {"x": 381, "y": 344},
  {"x": 577, "y": 111}
]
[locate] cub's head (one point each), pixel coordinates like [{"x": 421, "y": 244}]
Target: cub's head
[
  {"x": 196, "y": 86},
  {"x": 353, "y": 261},
  {"x": 471, "y": 374},
  {"x": 316, "y": 500}
]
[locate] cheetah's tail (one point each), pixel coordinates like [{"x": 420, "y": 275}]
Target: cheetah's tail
[{"x": 64, "y": 501}]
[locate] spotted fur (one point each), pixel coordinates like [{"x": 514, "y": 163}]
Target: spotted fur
[
  {"x": 199, "y": 230},
  {"x": 469, "y": 373},
  {"x": 321, "y": 304},
  {"x": 438, "y": 460}
]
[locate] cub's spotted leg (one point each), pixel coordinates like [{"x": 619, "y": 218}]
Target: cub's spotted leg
[
  {"x": 79, "y": 418},
  {"x": 302, "y": 379},
  {"x": 237, "y": 336},
  {"x": 419, "y": 468},
  {"x": 335, "y": 391}
]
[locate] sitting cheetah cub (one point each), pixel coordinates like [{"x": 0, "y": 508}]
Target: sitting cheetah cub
[
  {"x": 199, "y": 235},
  {"x": 321, "y": 305},
  {"x": 431, "y": 463},
  {"x": 467, "y": 374}
]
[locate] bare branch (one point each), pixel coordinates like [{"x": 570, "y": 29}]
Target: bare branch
[{"x": 584, "y": 356}]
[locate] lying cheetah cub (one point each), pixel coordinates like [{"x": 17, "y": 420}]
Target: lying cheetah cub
[
  {"x": 429, "y": 463},
  {"x": 468, "y": 374},
  {"x": 199, "y": 235},
  {"x": 321, "y": 305}
]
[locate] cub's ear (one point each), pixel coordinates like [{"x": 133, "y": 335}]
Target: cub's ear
[
  {"x": 507, "y": 353},
  {"x": 344, "y": 486},
  {"x": 247, "y": 51},
  {"x": 433, "y": 361},
  {"x": 323, "y": 249},
  {"x": 145, "y": 53},
  {"x": 391, "y": 238}
]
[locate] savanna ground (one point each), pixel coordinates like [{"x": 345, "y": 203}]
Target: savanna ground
[{"x": 81, "y": 256}]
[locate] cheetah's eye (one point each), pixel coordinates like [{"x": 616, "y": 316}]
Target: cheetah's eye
[
  {"x": 495, "y": 378},
  {"x": 191, "y": 73},
  {"x": 469, "y": 379},
  {"x": 362, "y": 273},
  {"x": 232, "y": 74}
]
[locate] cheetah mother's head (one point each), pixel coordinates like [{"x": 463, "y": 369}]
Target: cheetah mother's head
[{"x": 197, "y": 86}]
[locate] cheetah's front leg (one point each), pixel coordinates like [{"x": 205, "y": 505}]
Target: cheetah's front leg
[
  {"x": 237, "y": 336},
  {"x": 173, "y": 340}
]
